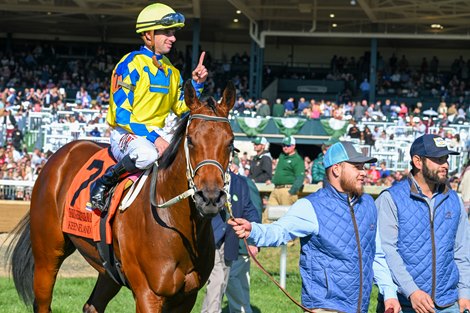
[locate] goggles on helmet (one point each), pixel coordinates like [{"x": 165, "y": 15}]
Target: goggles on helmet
[{"x": 166, "y": 21}]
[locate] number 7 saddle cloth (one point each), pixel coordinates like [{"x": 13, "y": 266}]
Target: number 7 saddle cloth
[{"x": 79, "y": 218}]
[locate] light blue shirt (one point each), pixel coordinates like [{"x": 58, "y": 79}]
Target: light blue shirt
[{"x": 301, "y": 221}]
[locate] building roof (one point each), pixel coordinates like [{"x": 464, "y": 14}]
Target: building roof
[{"x": 332, "y": 20}]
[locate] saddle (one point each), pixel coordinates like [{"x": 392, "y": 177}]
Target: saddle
[
  {"x": 81, "y": 220},
  {"x": 79, "y": 217}
]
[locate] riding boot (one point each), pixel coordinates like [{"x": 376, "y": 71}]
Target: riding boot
[{"x": 100, "y": 188}]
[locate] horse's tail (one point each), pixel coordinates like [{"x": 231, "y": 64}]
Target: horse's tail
[{"x": 20, "y": 255}]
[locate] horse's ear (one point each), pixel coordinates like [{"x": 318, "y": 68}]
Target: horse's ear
[
  {"x": 190, "y": 97},
  {"x": 229, "y": 96}
]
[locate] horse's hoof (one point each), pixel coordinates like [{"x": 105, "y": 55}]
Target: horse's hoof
[{"x": 87, "y": 308}]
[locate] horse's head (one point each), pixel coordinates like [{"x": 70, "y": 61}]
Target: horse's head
[{"x": 208, "y": 146}]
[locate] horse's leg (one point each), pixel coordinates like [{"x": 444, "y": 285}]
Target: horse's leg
[
  {"x": 147, "y": 301},
  {"x": 47, "y": 260},
  {"x": 105, "y": 290},
  {"x": 182, "y": 306}
]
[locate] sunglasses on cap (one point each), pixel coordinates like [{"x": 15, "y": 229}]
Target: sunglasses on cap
[{"x": 169, "y": 19}]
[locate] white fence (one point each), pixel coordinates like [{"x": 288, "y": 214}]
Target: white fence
[
  {"x": 396, "y": 152},
  {"x": 15, "y": 190},
  {"x": 56, "y": 135}
]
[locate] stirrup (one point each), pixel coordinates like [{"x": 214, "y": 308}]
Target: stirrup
[{"x": 107, "y": 202}]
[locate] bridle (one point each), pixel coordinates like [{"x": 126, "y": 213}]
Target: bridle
[{"x": 191, "y": 172}]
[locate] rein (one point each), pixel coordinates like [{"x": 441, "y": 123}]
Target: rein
[
  {"x": 190, "y": 172},
  {"x": 271, "y": 278}
]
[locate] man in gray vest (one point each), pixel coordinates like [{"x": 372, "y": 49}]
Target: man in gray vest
[{"x": 424, "y": 233}]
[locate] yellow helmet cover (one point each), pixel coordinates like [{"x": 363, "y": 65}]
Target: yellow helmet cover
[{"x": 158, "y": 16}]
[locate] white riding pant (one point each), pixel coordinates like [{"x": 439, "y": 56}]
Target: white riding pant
[{"x": 140, "y": 150}]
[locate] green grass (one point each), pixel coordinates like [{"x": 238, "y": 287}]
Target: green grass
[{"x": 71, "y": 293}]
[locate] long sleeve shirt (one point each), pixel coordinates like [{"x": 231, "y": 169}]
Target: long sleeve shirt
[
  {"x": 142, "y": 95},
  {"x": 290, "y": 170},
  {"x": 301, "y": 221},
  {"x": 388, "y": 230}
]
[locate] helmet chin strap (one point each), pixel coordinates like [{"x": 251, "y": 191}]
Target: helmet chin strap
[{"x": 153, "y": 45}]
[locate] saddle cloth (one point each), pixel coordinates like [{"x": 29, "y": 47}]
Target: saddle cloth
[{"x": 79, "y": 218}]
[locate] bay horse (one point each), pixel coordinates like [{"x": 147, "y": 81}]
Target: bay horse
[{"x": 166, "y": 254}]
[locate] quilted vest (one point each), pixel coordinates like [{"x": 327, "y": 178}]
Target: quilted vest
[
  {"x": 336, "y": 264},
  {"x": 426, "y": 244}
]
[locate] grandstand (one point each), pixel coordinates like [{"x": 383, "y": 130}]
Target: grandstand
[{"x": 55, "y": 79}]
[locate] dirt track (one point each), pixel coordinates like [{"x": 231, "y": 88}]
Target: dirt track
[
  {"x": 11, "y": 213},
  {"x": 74, "y": 266}
]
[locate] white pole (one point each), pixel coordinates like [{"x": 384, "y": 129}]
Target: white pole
[{"x": 283, "y": 265}]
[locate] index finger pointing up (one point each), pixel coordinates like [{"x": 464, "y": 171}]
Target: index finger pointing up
[{"x": 201, "y": 58}]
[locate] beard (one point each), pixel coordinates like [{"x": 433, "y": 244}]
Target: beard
[
  {"x": 350, "y": 185},
  {"x": 432, "y": 176}
]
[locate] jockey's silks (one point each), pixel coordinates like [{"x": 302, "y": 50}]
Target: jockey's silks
[{"x": 142, "y": 95}]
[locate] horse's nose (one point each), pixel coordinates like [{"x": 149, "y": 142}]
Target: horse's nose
[{"x": 210, "y": 201}]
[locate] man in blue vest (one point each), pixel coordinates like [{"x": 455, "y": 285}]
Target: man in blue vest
[
  {"x": 337, "y": 230},
  {"x": 425, "y": 234}
]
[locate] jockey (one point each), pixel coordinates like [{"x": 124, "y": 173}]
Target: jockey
[{"x": 145, "y": 87}]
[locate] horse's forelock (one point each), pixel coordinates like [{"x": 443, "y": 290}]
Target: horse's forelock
[
  {"x": 211, "y": 103},
  {"x": 208, "y": 101}
]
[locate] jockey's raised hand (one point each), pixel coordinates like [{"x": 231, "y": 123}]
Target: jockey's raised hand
[{"x": 200, "y": 73}]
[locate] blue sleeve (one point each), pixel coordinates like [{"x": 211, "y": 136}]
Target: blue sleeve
[
  {"x": 299, "y": 221},
  {"x": 199, "y": 87},
  {"x": 152, "y": 136},
  {"x": 382, "y": 275}
]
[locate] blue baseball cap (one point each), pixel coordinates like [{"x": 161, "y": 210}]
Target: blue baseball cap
[
  {"x": 344, "y": 151},
  {"x": 430, "y": 146}
]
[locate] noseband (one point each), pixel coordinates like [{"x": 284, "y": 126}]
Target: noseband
[{"x": 191, "y": 172}]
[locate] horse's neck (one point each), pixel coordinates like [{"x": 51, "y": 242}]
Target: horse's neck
[
  {"x": 174, "y": 176},
  {"x": 172, "y": 182}
]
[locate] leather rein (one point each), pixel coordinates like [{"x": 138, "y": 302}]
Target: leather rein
[{"x": 271, "y": 278}]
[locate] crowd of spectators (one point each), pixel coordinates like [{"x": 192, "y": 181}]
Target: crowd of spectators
[
  {"x": 376, "y": 174},
  {"x": 37, "y": 79},
  {"x": 20, "y": 165},
  {"x": 397, "y": 77}
]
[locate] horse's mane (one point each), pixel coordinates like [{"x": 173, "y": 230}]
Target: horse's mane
[
  {"x": 180, "y": 129},
  {"x": 169, "y": 155}
]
